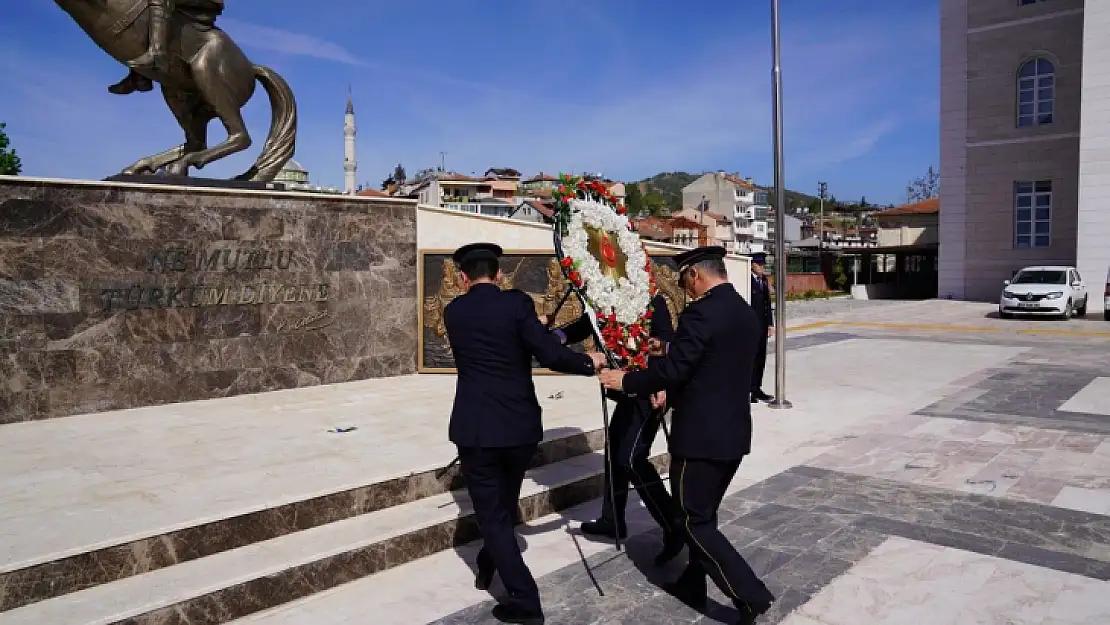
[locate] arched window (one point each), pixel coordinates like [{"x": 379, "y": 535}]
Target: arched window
[{"x": 1036, "y": 92}]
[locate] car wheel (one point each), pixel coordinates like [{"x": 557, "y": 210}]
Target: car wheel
[
  {"x": 1081, "y": 311},
  {"x": 1106, "y": 315},
  {"x": 1067, "y": 312}
]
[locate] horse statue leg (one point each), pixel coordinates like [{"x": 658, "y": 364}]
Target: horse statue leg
[
  {"x": 225, "y": 86},
  {"x": 188, "y": 110}
]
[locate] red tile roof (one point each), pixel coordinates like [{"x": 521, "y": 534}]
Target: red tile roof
[
  {"x": 372, "y": 193},
  {"x": 927, "y": 207},
  {"x": 541, "y": 208}
]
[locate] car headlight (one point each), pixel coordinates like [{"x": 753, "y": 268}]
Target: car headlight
[
  {"x": 1009, "y": 294},
  {"x": 1054, "y": 295}
]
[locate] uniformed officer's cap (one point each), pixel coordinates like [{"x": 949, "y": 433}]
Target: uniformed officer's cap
[
  {"x": 476, "y": 251},
  {"x": 759, "y": 258},
  {"x": 688, "y": 259}
]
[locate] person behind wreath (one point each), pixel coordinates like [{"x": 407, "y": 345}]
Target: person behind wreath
[{"x": 632, "y": 433}]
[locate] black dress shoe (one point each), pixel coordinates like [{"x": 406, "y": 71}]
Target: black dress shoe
[
  {"x": 749, "y": 613},
  {"x": 759, "y": 395},
  {"x": 672, "y": 546},
  {"x": 604, "y": 527},
  {"x": 509, "y": 613}
]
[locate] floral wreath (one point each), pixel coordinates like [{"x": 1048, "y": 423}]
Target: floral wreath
[{"x": 622, "y": 305}]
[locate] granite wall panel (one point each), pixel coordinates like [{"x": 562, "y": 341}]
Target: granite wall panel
[
  {"x": 122, "y": 295},
  {"x": 534, "y": 272}
]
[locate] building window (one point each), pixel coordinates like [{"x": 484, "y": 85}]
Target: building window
[
  {"x": 1036, "y": 92},
  {"x": 1032, "y": 214}
]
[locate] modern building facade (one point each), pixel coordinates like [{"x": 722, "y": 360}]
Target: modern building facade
[{"x": 1025, "y": 141}]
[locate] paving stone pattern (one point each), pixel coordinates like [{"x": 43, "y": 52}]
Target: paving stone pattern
[
  {"x": 803, "y": 528},
  {"x": 1029, "y": 390}
]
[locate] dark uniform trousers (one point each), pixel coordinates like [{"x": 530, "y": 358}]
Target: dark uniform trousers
[
  {"x": 700, "y": 485},
  {"x": 494, "y": 476},
  {"x": 631, "y": 435},
  {"x": 711, "y": 431}
]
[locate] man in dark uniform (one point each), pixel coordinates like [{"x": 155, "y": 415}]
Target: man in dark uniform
[
  {"x": 761, "y": 304},
  {"x": 496, "y": 419},
  {"x": 631, "y": 434},
  {"x": 712, "y": 425}
]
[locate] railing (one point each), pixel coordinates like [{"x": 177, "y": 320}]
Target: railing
[{"x": 496, "y": 210}]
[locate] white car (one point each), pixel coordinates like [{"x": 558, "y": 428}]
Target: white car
[{"x": 1057, "y": 291}]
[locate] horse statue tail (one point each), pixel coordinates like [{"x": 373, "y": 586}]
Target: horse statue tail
[{"x": 282, "y": 140}]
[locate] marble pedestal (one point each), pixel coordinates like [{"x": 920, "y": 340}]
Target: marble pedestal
[{"x": 116, "y": 295}]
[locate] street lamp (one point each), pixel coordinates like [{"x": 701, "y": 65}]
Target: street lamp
[
  {"x": 780, "y": 401},
  {"x": 822, "y": 189}
]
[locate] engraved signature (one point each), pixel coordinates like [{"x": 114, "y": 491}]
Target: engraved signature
[{"x": 313, "y": 322}]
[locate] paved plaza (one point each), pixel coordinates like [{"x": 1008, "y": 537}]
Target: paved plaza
[{"x": 940, "y": 466}]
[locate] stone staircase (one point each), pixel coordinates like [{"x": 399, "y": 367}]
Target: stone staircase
[{"x": 223, "y": 569}]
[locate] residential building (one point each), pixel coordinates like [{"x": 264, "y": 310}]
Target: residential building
[
  {"x": 459, "y": 192},
  {"x": 674, "y": 230},
  {"x": 540, "y": 183},
  {"x": 1024, "y": 175},
  {"x": 745, "y": 204},
  {"x": 719, "y": 228},
  {"x": 910, "y": 225}
]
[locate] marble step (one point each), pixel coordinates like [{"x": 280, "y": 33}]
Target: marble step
[
  {"x": 54, "y": 577},
  {"x": 236, "y": 583}
]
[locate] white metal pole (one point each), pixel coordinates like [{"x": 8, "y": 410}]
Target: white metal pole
[{"x": 780, "y": 218}]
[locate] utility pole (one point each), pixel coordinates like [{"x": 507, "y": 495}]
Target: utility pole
[
  {"x": 822, "y": 189},
  {"x": 780, "y": 401}
]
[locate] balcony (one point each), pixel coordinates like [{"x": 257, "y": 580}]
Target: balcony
[{"x": 475, "y": 208}]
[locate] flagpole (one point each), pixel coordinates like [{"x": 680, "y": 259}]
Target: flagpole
[{"x": 780, "y": 400}]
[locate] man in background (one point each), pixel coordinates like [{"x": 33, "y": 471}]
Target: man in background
[{"x": 761, "y": 304}]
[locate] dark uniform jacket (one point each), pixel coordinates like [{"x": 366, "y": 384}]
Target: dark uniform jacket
[
  {"x": 714, "y": 346},
  {"x": 493, "y": 335},
  {"x": 761, "y": 301}
]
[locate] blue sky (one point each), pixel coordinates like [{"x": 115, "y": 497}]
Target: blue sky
[{"x": 578, "y": 85}]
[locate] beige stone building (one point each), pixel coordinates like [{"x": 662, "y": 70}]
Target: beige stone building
[{"x": 1025, "y": 141}]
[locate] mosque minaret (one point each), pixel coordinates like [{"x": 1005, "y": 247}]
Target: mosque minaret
[{"x": 350, "y": 163}]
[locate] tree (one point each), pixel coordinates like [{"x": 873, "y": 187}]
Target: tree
[
  {"x": 399, "y": 174},
  {"x": 655, "y": 204},
  {"x": 863, "y": 202},
  {"x": 388, "y": 182},
  {"x": 924, "y": 188},
  {"x": 9, "y": 160},
  {"x": 634, "y": 199}
]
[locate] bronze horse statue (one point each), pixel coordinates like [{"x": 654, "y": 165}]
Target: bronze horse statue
[{"x": 207, "y": 76}]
